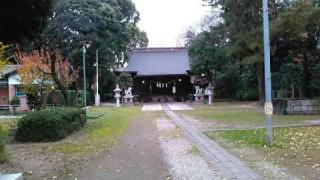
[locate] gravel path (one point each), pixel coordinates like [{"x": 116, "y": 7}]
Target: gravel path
[{"x": 184, "y": 160}]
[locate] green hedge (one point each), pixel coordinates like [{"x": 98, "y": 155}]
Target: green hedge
[
  {"x": 50, "y": 124},
  {"x": 75, "y": 99},
  {"x": 3, "y": 153}
]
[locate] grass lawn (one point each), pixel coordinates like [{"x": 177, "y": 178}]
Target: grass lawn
[
  {"x": 5, "y": 126},
  {"x": 296, "y": 149},
  {"x": 101, "y": 132},
  {"x": 65, "y": 158},
  {"x": 98, "y": 133},
  {"x": 240, "y": 115}
]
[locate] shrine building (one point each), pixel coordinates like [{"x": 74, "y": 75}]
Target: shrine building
[{"x": 160, "y": 74}]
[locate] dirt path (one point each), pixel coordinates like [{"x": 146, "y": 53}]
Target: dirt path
[{"x": 138, "y": 155}]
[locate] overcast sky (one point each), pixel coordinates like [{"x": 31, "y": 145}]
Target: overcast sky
[{"x": 165, "y": 20}]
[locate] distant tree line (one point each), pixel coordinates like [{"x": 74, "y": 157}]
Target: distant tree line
[{"x": 229, "y": 52}]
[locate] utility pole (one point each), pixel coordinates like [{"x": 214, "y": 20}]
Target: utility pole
[
  {"x": 268, "y": 102},
  {"x": 85, "y": 46},
  {"x": 97, "y": 96},
  {"x": 84, "y": 78}
]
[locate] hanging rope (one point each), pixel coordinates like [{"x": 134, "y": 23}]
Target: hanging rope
[{"x": 160, "y": 84}]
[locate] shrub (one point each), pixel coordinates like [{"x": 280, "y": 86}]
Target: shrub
[
  {"x": 14, "y": 102},
  {"x": 50, "y": 124},
  {"x": 75, "y": 98},
  {"x": 247, "y": 95},
  {"x": 34, "y": 101},
  {"x": 90, "y": 98}
]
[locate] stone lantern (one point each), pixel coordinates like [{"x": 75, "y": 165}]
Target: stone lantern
[{"x": 117, "y": 95}]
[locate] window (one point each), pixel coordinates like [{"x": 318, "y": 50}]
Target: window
[{"x": 19, "y": 91}]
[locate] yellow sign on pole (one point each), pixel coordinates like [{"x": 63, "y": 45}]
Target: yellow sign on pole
[{"x": 268, "y": 108}]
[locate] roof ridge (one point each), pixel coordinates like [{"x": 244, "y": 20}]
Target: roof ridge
[{"x": 158, "y": 49}]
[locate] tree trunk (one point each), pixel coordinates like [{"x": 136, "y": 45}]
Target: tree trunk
[
  {"x": 56, "y": 79},
  {"x": 259, "y": 69},
  {"x": 292, "y": 91},
  {"x": 306, "y": 86},
  {"x": 300, "y": 92},
  {"x": 41, "y": 97}
]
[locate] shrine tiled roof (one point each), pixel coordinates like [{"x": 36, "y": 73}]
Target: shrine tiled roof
[{"x": 158, "y": 61}]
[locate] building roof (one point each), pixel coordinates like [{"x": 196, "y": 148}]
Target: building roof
[
  {"x": 8, "y": 69},
  {"x": 158, "y": 61}
]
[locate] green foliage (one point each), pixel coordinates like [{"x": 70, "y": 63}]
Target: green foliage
[
  {"x": 3, "y": 49},
  {"x": 49, "y": 124},
  {"x": 246, "y": 89},
  {"x": 110, "y": 26},
  {"x": 34, "y": 101},
  {"x": 235, "y": 46},
  {"x": 247, "y": 94},
  {"x": 125, "y": 80},
  {"x": 15, "y": 101},
  {"x": 315, "y": 80},
  {"x": 231, "y": 47},
  {"x": 295, "y": 35},
  {"x": 207, "y": 52},
  {"x": 3, "y": 154},
  {"x": 55, "y": 98},
  {"x": 32, "y": 19},
  {"x": 90, "y": 98},
  {"x": 107, "y": 80}
]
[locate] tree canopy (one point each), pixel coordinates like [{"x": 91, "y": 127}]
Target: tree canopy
[
  {"x": 40, "y": 70},
  {"x": 107, "y": 25},
  {"x": 294, "y": 27},
  {"x": 22, "y": 20}
]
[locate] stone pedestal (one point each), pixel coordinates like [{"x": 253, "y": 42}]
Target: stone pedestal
[
  {"x": 128, "y": 99},
  {"x": 117, "y": 96},
  {"x": 209, "y": 93},
  {"x": 198, "y": 97},
  {"x": 210, "y": 99},
  {"x": 97, "y": 100}
]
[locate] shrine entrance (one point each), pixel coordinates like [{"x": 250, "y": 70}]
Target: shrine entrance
[{"x": 163, "y": 89}]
